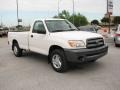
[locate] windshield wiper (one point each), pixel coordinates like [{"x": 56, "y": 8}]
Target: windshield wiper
[
  {"x": 71, "y": 29},
  {"x": 58, "y": 30}
]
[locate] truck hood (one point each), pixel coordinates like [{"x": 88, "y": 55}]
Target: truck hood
[{"x": 75, "y": 35}]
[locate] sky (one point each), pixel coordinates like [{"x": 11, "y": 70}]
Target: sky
[{"x": 36, "y": 9}]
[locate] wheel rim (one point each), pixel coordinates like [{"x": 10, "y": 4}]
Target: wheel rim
[
  {"x": 15, "y": 50},
  {"x": 56, "y": 60}
]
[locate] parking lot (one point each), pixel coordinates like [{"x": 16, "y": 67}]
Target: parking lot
[{"x": 32, "y": 72}]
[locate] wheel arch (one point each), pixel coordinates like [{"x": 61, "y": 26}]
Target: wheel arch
[{"x": 53, "y": 47}]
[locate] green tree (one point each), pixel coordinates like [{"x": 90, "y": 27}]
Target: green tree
[
  {"x": 116, "y": 20},
  {"x": 79, "y": 20},
  {"x": 64, "y": 15},
  {"x": 95, "y": 22},
  {"x": 105, "y": 20}
]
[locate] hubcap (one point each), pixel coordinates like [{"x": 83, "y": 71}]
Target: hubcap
[
  {"x": 56, "y": 60},
  {"x": 15, "y": 50}
]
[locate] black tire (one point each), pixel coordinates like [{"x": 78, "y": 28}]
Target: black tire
[
  {"x": 64, "y": 65},
  {"x": 16, "y": 50},
  {"x": 92, "y": 61},
  {"x": 1, "y": 36},
  {"x": 117, "y": 45}
]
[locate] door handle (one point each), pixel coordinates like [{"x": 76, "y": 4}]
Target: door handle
[{"x": 31, "y": 36}]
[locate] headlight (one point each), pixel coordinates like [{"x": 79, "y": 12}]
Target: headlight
[{"x": 76, "y": 43}]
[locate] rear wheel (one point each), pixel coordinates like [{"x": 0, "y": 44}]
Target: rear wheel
[
  {"x": 16, "y": 50},
  {"x": 58, "y": 60}
]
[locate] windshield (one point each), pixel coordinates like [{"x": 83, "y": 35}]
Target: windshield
[{"x": 59, "y": 25}]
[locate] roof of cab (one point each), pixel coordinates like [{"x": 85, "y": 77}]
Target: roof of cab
[{"x": 49, "y": 19}]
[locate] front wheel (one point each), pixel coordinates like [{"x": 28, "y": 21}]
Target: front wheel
[
  {"x": 92, "y": 61},
  {"x": 16, "y": 50},
  {"x": 58, "y": 60}
]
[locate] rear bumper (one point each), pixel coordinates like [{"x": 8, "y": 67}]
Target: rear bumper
[{"x": 83, "y": 55}]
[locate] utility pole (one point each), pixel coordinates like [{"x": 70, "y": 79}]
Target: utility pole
[
  {"x": 109, "y": 22},
  {"x": 58, "y": 7},
  {"x": 73, "y": 10},
  {"x": 107, "y": 6},
  {"x": 1, "y": 21},
  {"x": 17, "y": 12},
  {"x": 108, "y": 13}
]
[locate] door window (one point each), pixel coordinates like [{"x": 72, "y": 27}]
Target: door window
[{"x": 39, "y": 27}]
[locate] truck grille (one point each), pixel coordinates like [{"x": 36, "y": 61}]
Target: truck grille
[{"x": 94, "y": 43}]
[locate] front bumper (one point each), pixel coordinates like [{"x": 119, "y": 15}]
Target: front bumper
[{"x": 83, "y": 55}]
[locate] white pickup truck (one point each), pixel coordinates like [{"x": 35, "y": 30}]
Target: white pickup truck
[{"x": 61, "y": 41}]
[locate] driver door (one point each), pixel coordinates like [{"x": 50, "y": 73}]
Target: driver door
[{"x": 37, "y": 38}]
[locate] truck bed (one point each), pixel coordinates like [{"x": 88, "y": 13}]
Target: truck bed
[{"x": 21, "y": 37}]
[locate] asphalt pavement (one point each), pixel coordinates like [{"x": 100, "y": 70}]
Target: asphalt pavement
[{"x": 32, "y": 72}]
